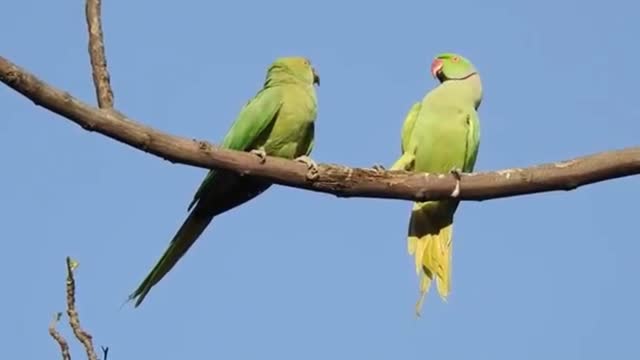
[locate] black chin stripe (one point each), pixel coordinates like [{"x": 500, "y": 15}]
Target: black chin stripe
[{"x": 460, "y": 78}]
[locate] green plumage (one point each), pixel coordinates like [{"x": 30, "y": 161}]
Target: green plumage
[
  {"x": 440, "y": 134},
  {"x": 278, "y": 121}
]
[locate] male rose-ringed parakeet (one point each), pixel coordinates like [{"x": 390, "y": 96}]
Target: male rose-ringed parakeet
[
  {"x": 440, "y": 134},
  {"x": 278, "y": 121}
]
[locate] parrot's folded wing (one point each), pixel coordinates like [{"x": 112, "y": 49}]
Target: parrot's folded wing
[
  {"x": 256, "y": 116},
  {"x": 473, "y": 142},
  {"x": 408, "y": 125},
  {"x": 405, "y": 162}
]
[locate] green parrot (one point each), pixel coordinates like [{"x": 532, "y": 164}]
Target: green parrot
[
  {"x": 440, "y": 134},
  {"x": 278, "y": 121}
]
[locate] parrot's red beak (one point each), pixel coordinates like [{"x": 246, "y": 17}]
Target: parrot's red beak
[{"x": 436, "y": 66}]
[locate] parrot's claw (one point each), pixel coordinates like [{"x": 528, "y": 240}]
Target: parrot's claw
[
  {"x": 456, "y": 174},
  {"x": 378, "y": 168},
  {"x": 312, "y": 174},
  {"x": 261, "y": 154}
]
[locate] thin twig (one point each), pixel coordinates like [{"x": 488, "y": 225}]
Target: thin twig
[
  {"x": 74, "y": 319},
  {"x": 338, "y": 180},
  {"x": 101, "y": 77},
  {"x": 64, "y": 346},
  {"x": 105, "y": 352}
]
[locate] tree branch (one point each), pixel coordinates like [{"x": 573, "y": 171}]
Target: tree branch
[
  {"x": 64, "y": 346},
  {"x": 338, "y": 180},
  {"x": 74, "y": 319},
  {"x": 96, "y": 54}
]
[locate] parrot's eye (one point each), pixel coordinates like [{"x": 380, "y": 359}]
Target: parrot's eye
[{"x": 455, "y": 59}]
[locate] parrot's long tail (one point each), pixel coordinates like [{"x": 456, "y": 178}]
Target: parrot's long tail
[
  {"x": 429, "y": 240},
  {"x": 186, "y": 236}
]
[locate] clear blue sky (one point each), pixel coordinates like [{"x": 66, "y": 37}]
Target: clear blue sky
[{"x": 295, "y": 274}]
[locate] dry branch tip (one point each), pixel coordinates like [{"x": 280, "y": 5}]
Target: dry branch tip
[
  {"x": 64, "y": 346},
  {"x": 74, "y": 319}
]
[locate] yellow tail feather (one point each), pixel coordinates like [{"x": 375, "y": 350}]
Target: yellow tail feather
[{"x": 429, "y": 241}]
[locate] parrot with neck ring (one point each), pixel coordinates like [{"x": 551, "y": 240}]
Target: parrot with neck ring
[{"x": 440, "y": 134}]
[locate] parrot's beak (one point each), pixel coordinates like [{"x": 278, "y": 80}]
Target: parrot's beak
[
  {"x": 436, "y": 68},
  {"x": 316, "y": 77}
]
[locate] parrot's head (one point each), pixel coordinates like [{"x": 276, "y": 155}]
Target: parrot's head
[
  {"x": 450, "y": 66},
  {"x": 296, "y": 66}
]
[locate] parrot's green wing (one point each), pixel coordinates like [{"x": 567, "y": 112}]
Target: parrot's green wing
[
  {"x": 312, "y": 142},
  {"x": 407, "y": 126},
  {"x": 473, "y": 142},
  {"x": 256, "y": 116},
  {"x": 405, "y": 162}
]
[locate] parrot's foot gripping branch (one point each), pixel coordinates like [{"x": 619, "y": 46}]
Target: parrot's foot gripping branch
[
  {"x": 311, "y": 165},
  {"x": 457, "y": 174},
  {"x": 378, "y": 168},
  {"x": 261, "y": 154}
]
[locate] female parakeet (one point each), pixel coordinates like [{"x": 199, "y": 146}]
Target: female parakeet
[
  {"x": 440, "y": 134},
  {"x": 278, "y": 121}
]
